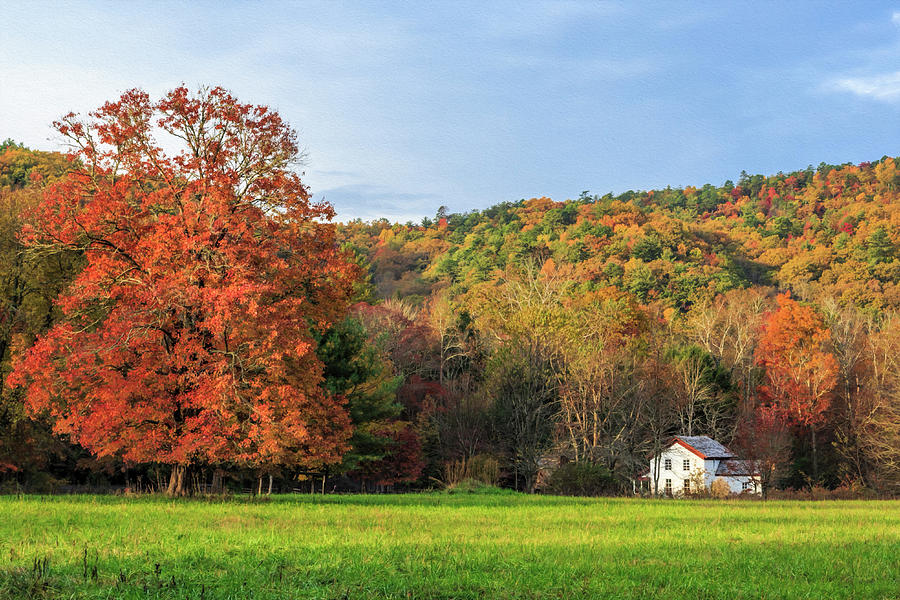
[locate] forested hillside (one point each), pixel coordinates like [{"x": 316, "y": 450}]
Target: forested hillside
[
  {"x": 500, "y": 344},
  {"x": 825, "y": 232}
]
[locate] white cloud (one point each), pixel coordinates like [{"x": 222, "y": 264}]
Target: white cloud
[
  {"x": 878, "y": 87},
  {"x": 884, "y": 85}
]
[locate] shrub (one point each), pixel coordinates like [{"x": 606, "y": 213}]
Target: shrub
[
  {"x": 698, "y": 485},
  {"x": 851, "y": 491},
  {"x": 581, "y": 479},
  {"x": 481, "y": 468},
  {"x": 485, "y": 468},
  {"x": 473, "y": 486},
  {"x": 36, "y": 483},
  {"x": 719, "y": 489}
]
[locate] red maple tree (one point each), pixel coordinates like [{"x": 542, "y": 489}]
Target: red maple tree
[
  {"x": 801, "y": 373},
  {"x": 764, "y": 437},
  {"x": 187, "y": 337}
]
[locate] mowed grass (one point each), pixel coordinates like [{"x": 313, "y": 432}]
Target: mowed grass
[{"x": 446, "y": 546}]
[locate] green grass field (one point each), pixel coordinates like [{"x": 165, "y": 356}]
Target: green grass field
[{"x": 446, "y": 546}]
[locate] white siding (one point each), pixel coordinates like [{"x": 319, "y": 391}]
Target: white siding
[
  {"x": 710, "y": 465},
  {"x": 677, "y": 454},
  {"x": 736, "y": 483}
]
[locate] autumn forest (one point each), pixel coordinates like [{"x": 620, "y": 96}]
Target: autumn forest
[{"x": 191, "y": 321}]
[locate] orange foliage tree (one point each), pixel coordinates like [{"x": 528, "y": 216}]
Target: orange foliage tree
[
  {"x": 188, "y": 336},
  {"x": 800, "y": 372}
]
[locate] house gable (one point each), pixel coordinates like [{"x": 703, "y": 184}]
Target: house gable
[{"x": 688, "y": 447}]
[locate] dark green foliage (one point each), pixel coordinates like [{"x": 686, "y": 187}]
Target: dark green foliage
[
  {"x": 783, "y": 227},
  {"x": 521, "y": 380},
  {"x": 648, "y": 248},
  {"x": 751, "y": 184},
  {"x": 354, "y": 369},
  {"x": 641, "y": 281},
  {"x": 708, "y": 198},
  {"x": 8, "y": 144},
  {"x": 582, "y": 479},
  {"x": 364, "y": 288},
  {"x": 879, "y": 247}
]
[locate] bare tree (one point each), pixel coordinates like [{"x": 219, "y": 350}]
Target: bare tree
[
  {"x": 878, "y": 416},
  {"x": 523, "y": 385},
  {"x": 729, "y": 328},
  {"x": 658, "y": 404},
  {"x": 463, "y": 425},
  {"x": 849, "y": 332},
  {"x": 525, "y": 318},
  {"x": 443, "y": 318},
  {"x": 764, "y": 438},
  {"x": 597, "y": 387},
  {"x": 693, "y": 389}
]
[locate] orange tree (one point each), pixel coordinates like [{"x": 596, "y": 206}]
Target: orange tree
[
  {"x": 800, "y": 372},
  {"x": 188, "y": 337}
]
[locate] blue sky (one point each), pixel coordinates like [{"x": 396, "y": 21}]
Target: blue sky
[{"x": 404, "y": 107}]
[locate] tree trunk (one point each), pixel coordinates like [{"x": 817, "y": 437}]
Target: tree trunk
[
  {"x": 657, "y": 462},
  {"x": 176, "y": 481},
  {"x": 217, "y": 487},
  {"x": 815, "y": 456},
  {"x": 269, "y": 491},
  {"x": 259, "y": 488}
]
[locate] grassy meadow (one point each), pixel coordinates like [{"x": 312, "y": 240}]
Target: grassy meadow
[{"x": 501, "y": 545}]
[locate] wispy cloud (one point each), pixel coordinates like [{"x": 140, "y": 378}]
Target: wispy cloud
[
  {"x": 528, "y": 20},
  {"x": 367, "y": 202},
  {"x": 579, "y": 68},
  {"x": 882, "y": 82},
  {"x": 878, "y": 87}
]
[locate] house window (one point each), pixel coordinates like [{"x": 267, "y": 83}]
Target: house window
[
  {"x": 669, "y": 487},
  {"x": 668, "y": 465},
  {"x": 687, "y": 464},
  {"x": 746, "y": 485},
  {"x": 687, "y": 486}
]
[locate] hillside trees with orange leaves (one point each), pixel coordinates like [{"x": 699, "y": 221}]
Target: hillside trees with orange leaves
[
  {"x": 800, "y": 371},
  {"x": 832, "y": 230},
  {"x": 188, "y": 336},
  {"x": 21, "y": 167}
]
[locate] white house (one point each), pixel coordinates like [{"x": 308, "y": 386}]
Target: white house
[{"x": 688, "y": 460}]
